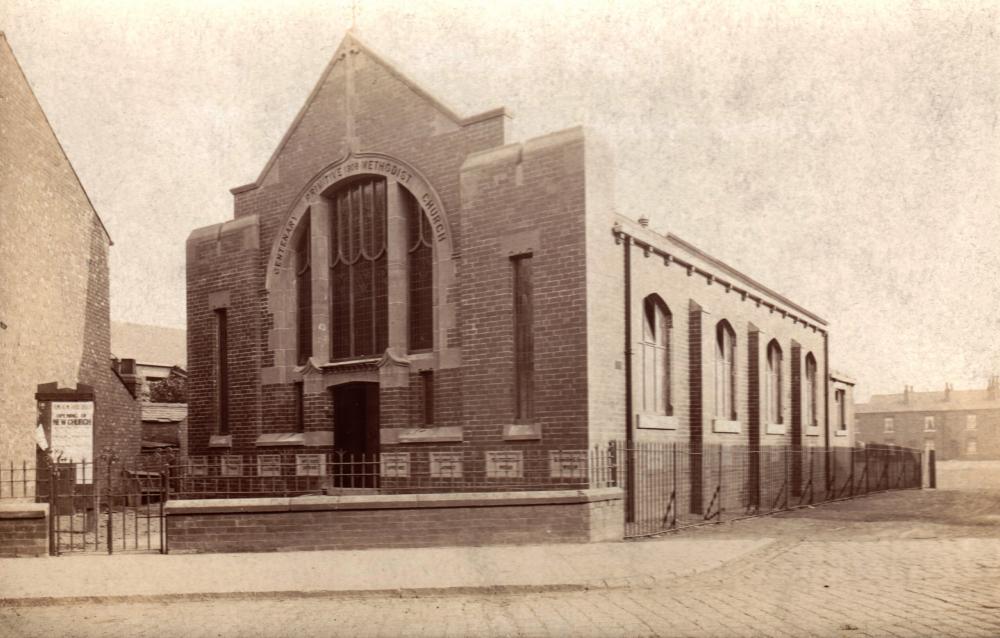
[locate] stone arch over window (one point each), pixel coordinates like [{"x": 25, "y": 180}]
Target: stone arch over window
[
  {"x": 773, "y": 390},
  {"x": 810, "y": 392},
  {"x": 380, "y": 262},
  {"x": 657, "y": 323},
  {"x": 725, "y": 371}
]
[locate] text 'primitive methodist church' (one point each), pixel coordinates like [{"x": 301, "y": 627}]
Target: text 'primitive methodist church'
[{"x": 401, "y": 280}]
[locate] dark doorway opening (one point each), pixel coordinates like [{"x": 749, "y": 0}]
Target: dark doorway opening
[{"x": 356, "y": 435}]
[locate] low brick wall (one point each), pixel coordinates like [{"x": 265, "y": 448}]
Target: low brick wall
[
  {"x": 411, "y": 520},
  {"x": 24, "y": 529}
]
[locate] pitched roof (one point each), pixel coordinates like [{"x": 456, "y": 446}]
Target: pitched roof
[
  {"x": 350, "y": 42},
  {"x": 149, "y": 344},
  {"x": 7, "y": 51},
  {"x": 929, "y": 402}
]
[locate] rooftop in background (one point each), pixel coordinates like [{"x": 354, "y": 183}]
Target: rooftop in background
[
  {"x": 149, "y": 344},
  {"x": 936, "y": 401}
]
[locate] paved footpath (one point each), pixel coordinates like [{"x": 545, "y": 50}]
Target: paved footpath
[{"x": 903, "y": 564}]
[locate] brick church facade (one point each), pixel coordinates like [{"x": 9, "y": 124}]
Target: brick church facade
[{"x": 402, "y": 280}]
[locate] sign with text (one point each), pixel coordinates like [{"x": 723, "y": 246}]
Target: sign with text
[
  {"x": 567, "y": 464},
  {"x": 505, "y": 464},
  {"x": 73, "y": 435},
  {"x": 269, "y": 465},
  {"x": 446, "y": 464},
  {"x": 232, "y": 465},
  {"x": 396, "y": 464},
  {"x": 310, "y": 465}
]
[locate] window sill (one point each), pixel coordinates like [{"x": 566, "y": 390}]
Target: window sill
[
  {"x": 724, "y": 426},
  {"x": 220, "y": 440},
  {"x": 522, "y": 432},
  {"x": 840, "y": 433},
  {"x": 775, "y": 428},
  {"x": 431, "y": 434},
  {"x": 656, "y": 422},
  {"x": 813, "y": 430},
  {"x": 283, "y": 438}
]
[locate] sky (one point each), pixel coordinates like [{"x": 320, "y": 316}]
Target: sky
[{"x": 843, "y": 153}]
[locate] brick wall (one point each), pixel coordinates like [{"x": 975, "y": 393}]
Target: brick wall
[
  {"x": 24, "y": 530},
  {"x": 54, "y": 299},
  {"x": 321, "y": 523}
]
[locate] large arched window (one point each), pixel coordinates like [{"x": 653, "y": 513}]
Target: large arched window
[
  {"x": 359, "y": 317},
  {"x": 772, "y": 383},
  {"x": 303, "y": 293},
  {"x": 725, "y": 371},
  {"x": 374, "y": 223},
  {"x": 809, "y": 398},
  {"x": 656, "y": 326}
]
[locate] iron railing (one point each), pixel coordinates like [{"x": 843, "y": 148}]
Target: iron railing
[
  {"x": 113, "y": 506},
  {"x": 413, "y": 471},
  {"x": 675, "y": 485}
]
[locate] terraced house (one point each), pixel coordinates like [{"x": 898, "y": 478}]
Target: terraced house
[{"x": 403, "y": 281}]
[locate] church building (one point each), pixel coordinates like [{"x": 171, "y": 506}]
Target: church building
[{"x": 403, "y": 280}]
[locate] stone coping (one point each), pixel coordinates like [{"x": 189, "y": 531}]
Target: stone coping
[
  {"x": 389, "y": 501},
  {"x": 23, "y": 510}
]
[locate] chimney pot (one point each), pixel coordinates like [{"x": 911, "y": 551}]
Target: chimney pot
[{"x": 643, "y": 220}]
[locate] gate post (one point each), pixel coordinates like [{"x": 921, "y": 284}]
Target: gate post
[
  {"x": 53, "y": 510},
  {"x": 931, "y": 469}
]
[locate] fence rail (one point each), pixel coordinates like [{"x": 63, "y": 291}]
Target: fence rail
[
  {"x": 673, "y": 485},
  {"x": 119, "y": 506}
]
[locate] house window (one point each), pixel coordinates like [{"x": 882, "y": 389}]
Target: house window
[
  {"x": 222, "y": 368},
  {"x": 359, "y": 321},
  {"x": 809, "y": 398},
  {"x": 772, "y": 383},
  {"x": 889, "y": 425},
  {"x": 970, "y": 447},
  {"x": 928, "y": 424},
  {"x": 725, "y": 371},
  {"x": 970, "y": 422},
  {"x": 421, "y": 273},
  {"x": 656, "y": 326},
  {"x": 524, "y": 340},
  {"x": 303, "y": 293},
  {"x": 840, "y": 399}
]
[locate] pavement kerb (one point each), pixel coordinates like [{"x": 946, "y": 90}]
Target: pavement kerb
[{"x": 664, "y": 562}]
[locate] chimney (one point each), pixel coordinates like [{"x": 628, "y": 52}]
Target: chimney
[
  {"x": 947, "y": 391},
  {"x": 643, "y": 220},
  {"x": 906, "y": 395},
  {"x": 991, "y": 388},
  {"x": 127, "y": 372}
]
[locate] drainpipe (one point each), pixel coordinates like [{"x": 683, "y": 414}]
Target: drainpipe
[
  {"x": 630, "y": 454},
  {"x": 826, "y": 402}
]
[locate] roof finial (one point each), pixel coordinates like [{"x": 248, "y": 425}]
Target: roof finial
[{"x": 354, "y": 14}]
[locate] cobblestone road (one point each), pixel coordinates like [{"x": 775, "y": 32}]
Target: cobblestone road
[{"x": 903, "y": 564}]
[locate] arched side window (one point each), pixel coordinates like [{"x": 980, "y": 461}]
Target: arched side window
[
  {"x": 656, "y": 325},
  {"x": 359, "y": 312},
  {"x": 725, "y": 371},
  {"x": 809, "y": 398},
  {"x": 773, "y": 383},
  {"x": 303, "y": 293},
  {"x": 421, "y": 270}
]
